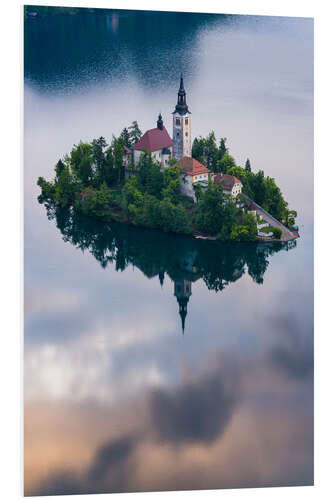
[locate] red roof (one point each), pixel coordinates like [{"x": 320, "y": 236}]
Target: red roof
[
  {"x": 191, "y": 166},
  {"x": 227, "y": 181},
  {"x": 154, "y": 139}
]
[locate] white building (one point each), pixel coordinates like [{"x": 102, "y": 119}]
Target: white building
[
  {"x": 192, "y": 172},
  {"x": 231, "y": 185},
  {"x": 157, "y": 141},
  {"x": 182, "y": 142}
]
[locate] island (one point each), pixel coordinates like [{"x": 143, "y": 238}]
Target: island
[{"x": 172, "y": 185}]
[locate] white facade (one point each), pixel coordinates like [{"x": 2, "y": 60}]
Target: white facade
[
  {"x": 200, "y": 177},
  {"x": 187, "y": 185},
  {"x": 182, "y": 142},
  {"x": 189, "y": 181},
  {"x": 157, "y": 155},
  {"x": 236, "y": 189}
]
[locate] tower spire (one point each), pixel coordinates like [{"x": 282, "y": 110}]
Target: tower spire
[
  {"x": 181, "y": 87},
  {"x": 181, "y": 106}
]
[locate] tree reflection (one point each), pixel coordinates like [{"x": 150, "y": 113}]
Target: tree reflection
[{"x": 184, "y": 259}]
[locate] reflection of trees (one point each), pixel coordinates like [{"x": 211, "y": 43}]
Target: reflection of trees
[{"x": 156, "y": 253}]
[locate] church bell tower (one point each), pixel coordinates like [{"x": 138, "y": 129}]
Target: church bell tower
[{"x": 182, "y": 144}]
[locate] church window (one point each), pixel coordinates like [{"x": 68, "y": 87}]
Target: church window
[
  {"x": 177, "y": 134},
  {"x": 186, "y": 133},
  {"x": 186, "y": 121},
  {"x": 177, "y": 121}
]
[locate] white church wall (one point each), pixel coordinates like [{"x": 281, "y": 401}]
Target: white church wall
[
  {"x": 136, "y": 156},
  {"x": 187, "y": 186}
]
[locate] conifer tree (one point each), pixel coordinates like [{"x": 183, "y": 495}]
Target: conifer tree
[
  {"x": 126, "y": 137},
  {"x": 134, "y": 132},
  {"x": 248, "y": 165}
]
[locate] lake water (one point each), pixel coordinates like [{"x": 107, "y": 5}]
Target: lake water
[{"x": 118, "y": 397}]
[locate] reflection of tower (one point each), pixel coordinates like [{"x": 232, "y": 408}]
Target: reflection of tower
[
  {"x": 161, "y": 277},
  {"x": 183, "y": 291}
]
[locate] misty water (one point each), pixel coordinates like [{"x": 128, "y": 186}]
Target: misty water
[{"x": 154, "y": 361}]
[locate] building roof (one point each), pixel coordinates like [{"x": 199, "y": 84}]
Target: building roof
[
  {"x": 191, "y": 166},
  {"x": 154, "y": 139},
  {"x": 227, "y": 181}
]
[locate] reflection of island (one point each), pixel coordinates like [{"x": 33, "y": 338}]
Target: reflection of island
[{"x": 184, "y": 259}]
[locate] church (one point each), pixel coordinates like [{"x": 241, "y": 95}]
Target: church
[{"x": 159, "y": 143}]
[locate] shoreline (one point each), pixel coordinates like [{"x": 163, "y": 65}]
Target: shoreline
[{"x": 292, "y": 235}]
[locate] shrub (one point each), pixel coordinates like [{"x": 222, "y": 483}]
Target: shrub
[{"x": 277, "y": 232}]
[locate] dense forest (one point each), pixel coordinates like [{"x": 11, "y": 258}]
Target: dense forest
[{"x": 91, "y": 180}]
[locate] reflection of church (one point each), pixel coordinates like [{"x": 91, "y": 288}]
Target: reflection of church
[
  {"x": 183, "y": 291},
  {"x": 183, "y": 283},
  {"x": 217, "y": 265}
]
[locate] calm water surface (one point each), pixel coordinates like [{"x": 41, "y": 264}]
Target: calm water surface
[{"x": 117, "y": 396}]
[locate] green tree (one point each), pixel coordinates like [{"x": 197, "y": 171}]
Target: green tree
[
  {"x": 171, "y": 183},
  {"x": 212, "y": 152},
  {"x": 248, "y": 165},
  {"x": 289, "y": 218},
  {"x": 81, "y": 160},
  {"x": 198, "y": 149},
  {"x": 118, "y": 153},
  {"x": 259, "y": 187},
  {"x": 149, "y": 174},
  {"x": 229, "y": 214},
  {"x": 206, "y": 151},
  {"x": 245, "y": 229},
  {"x": 277, "y": 232},
  {"x": 65, "y": 189},
  {"x": 273, "y": 201},
  {"x": 210, "y": 209},
  {"x": 97, "y": 202},
  {"x": 47, "y": 190},
  {"x": 147, "y": 212},
  {"x": 224, "y": 164},
  {"x": 173, "y": 217},
  {"x": 110, "y": 170},
  {"x": 222, "y": 147},
  {"x": 131, "y": 196},
  {"x": 135, "y": 133},
  {"x": 126, "y": 137},
  {"x": 98, "y": 157},
  {"x": 59, "y": 167}
]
